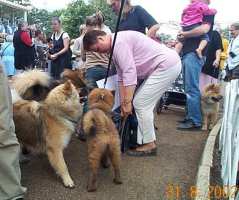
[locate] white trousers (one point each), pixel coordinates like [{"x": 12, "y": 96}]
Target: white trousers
[{"x": 147, "y": 97}]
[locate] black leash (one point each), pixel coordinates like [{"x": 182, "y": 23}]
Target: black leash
[{"x": 113, "y": 46}]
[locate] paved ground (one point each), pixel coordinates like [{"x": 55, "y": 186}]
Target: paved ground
[{"x": 149, "y": 178}]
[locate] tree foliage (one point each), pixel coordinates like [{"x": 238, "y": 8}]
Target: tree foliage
[
  {"x": 40, "y": 17},
  {"x": 72, "y": 16}
]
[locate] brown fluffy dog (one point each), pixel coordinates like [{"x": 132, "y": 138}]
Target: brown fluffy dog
[
  {"x": 210, "y": 105},
  {"x": 77, "y": 77},
  {"x": 47, "y": 127},
  {"x": 102, "y": 136}
]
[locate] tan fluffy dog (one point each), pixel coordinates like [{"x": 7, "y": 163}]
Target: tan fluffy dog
[
  {"x": 210, "y": 105},
  {"x": 102, "y": 136},
  {"x": 47, "y": 127}
]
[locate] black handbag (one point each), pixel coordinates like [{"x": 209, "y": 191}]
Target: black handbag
[
  {"x": 127, "y": 129},
  {"x": 231, "y": 74}
]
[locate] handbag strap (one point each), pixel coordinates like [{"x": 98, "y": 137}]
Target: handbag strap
[{"x": 115, "y": 36}]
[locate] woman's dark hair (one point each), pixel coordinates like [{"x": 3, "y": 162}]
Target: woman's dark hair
[
  {"x": 90, "y": 38},
  {"x": 95, "y": 20},
  {"x": 56, "y": 19}
]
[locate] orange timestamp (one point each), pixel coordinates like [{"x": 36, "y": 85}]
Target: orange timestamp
[{"x": 176, "y": 192}]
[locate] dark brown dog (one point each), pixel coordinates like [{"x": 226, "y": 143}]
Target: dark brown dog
[{"x": 102, "y": 136}]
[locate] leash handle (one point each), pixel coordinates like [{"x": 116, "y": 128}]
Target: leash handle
[{"x": 115, "y": 36}]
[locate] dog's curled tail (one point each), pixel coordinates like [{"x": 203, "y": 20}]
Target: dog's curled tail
[{"x": 94, "y": 122}]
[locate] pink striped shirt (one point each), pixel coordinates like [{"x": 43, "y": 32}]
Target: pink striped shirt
[{"x": 194, "y": 12}]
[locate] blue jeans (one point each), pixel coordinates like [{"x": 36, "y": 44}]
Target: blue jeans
[
  {"x": 94, "y": 74},
  {"x": 192, "y": 66}
]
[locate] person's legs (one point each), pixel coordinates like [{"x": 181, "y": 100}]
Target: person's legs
[
  {"x": 192, "y": 69},
  {"x": 94, "y": 74},
  {"x": 10, "y": 175},
  {"x": 146, "y": 99},
  {"x": 201, "y": 47}
]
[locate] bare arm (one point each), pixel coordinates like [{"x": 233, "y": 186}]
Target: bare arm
[
  {"x": 217, "y": 60},
  {"x": 126, "y": 93},
  {"x": 126, "y": 97},
  {"x": 152, "y": 31},
  {"x": 200, "y": 30}
]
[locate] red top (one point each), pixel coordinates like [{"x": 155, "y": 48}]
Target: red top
[{"x": 26, "y": 39}]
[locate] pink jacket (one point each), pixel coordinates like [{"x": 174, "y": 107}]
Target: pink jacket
[{"x": 194, "y": 13}]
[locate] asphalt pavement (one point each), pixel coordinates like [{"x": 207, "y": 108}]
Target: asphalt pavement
[{"x": 170, "y": 175}]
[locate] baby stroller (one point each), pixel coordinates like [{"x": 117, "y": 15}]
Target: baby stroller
[
  {"x": 41, "y": 56},
  {"x": 174, "y": 95}
]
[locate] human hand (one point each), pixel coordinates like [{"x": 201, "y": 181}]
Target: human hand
[
  {"x": 180, "y": 36},
  {"x": 151, "y": 34},
  {"x": 126, "y": 109},
  {"x": 216, "y": 63},
  {"x": 54, "y": 56}
]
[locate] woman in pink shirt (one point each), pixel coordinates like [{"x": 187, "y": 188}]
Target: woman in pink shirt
[
  {"x": 138, "y": 57},
  {"x": 192, "y": 17}
]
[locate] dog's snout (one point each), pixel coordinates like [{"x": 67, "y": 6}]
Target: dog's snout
[{"x": 217, "y": 99}]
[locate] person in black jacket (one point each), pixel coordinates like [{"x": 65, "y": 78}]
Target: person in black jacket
[
  {"x": 24, "y": 55},
  {"x": 210, "y": 70}
]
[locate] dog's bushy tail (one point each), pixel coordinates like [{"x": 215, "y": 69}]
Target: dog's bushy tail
[
  {"x": 94, "y": 121},
  {"x": 28, "y": 79}
]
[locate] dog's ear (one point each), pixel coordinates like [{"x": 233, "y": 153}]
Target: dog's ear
[
  {"x": 209, "y": 87},
  {"x": 112, "y": 92}
]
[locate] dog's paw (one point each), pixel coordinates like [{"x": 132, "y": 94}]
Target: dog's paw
[
  {"x": 68, "y": 182},
  {"x": 211, "y": 127},
  {"x": 204, "y": 128},
  {"x": 117, "y": 181},
  {"x": 91, "y": 188}
]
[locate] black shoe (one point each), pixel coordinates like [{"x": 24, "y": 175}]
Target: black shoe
[
  {"x": 189, "y": 125},
  {"x": 182, "y": 121}
]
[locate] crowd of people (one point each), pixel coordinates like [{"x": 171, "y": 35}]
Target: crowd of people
[{"x": 201, "y": 53}]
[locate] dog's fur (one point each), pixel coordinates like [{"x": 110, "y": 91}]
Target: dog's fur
[
  {"x": 77, "y": 77},
  {"x": 36, "y": 84},
  {"x": 32, "y": 84},
  {"x": 102, "y": 136},
  {"x": 210, "y": 105},
  {"x": 46, "y": 127}
]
